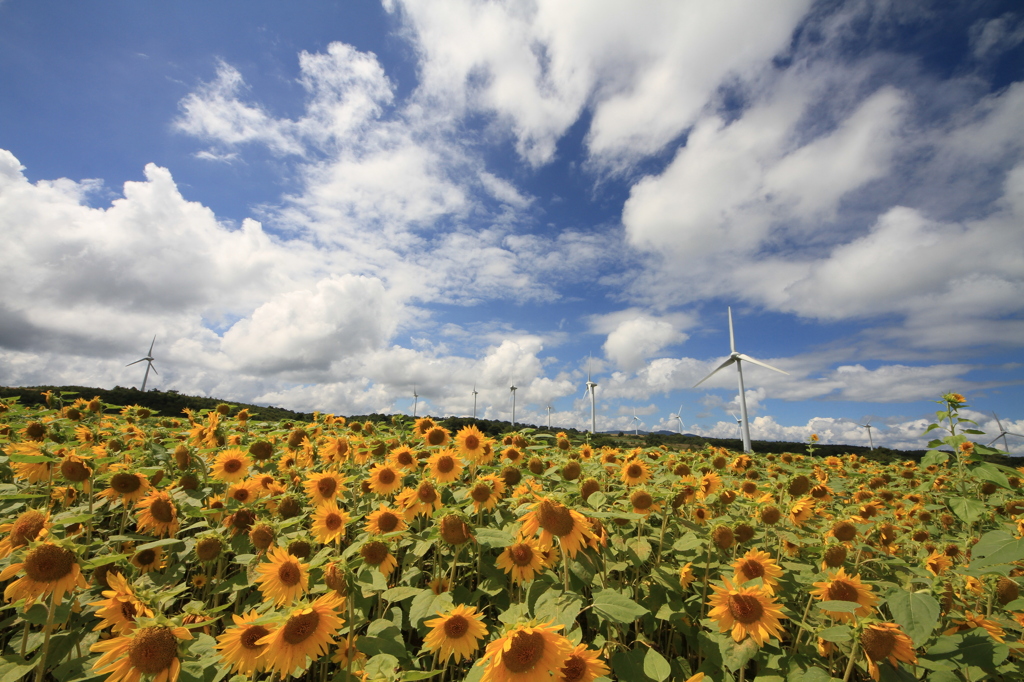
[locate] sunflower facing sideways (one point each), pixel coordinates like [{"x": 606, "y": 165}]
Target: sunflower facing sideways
[
  {"x": 526, "y": 653},
  {"x": 554, "y": 519},
  {"x": 150, "y": 650},
  {"x": 237, "y": 644},
  {"x": 746, "y": 611},
  {"x": 121, "y": 607},
  {"x": 583, "y": 665},
  {"x": 50, "y": 568},
  {"x": 843, "y": 587},
  {"x": 306, "y": 633},
  {"x": 158, "y": 514},
  {"x": 882, "y": 641},
  {"x": 282, "y": 579},
  {"x": 456, "y": 633},
  {"x": 757, "y": 564},
  {"x": 30, "y": 525}
]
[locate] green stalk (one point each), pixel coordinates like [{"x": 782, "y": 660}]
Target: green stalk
[{"x": 47, "y": 631}]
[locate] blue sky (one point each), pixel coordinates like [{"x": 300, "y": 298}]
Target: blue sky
[{"x": 327, "y": 205}]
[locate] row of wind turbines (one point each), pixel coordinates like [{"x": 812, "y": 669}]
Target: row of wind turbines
[{"x": 735, "y": 358}]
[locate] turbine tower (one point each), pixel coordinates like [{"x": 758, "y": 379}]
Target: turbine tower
[
  {"x": 636, "y": 423},
  {"x": 1003, "y": 433},
  {"x": 738, "y": 359},
  {"x": 513, "y": 390},
  {"x": 474, "y": 401},
  {"x": 415, "y": 401},
  {"x": 149, "y": 364},
  {"x": 678, "y": 416},
  {"x": 871, "y": 442},
  {"x": 591, "y": 385},
  {"x": 739, "y": 424},
  {"x": 549, "y": 408}
]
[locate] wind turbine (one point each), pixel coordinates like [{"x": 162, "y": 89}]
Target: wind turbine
[
  {"x": 871, "y": 442},
  {"x": 149, "y": 363},
  {"x": 737, "y": 359},
  {"x": 739, "y": 424},
  {"x": 549, "y": 415},
  {"x": 1003, "y": 433},
  {"x": 513, "y": 390},
  {"x": 591, "y": 385},
  {"x": 474, "y": 401},
  {"x": 636, "y": 423},
  {"x": 415, "y": 401},
  {"x": 679, "y": 417}
]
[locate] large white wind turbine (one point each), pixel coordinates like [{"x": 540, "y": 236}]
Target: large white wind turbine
[
  {"x": 738, "y": 359},
  {"x": 149, "y": 363},
  {"x": 678, "y": 416},
  {"x": 591, "y": 385},
  {"x": 1003, "y": 433},
  {"x": 867, "y": 425}
]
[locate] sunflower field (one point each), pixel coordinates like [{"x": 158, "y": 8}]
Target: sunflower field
[{"x": 209, "y": 547}]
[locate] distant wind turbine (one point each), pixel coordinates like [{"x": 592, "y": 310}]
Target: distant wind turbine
[
  {"x": 149, "y": 363},
  {"x": 474, "y": 401},
  {"x": 636, "y": 423},
  {"x": 415, "y": 401},
  {"x": 678, "y": 416},
  {"x": 513, "y": 390},
  {"x": 737, "y": 359},
  {"x": 591, "y": 385},
  {"x": 1003, "y": 433},
  {"x": 739, "y": 424},
  {"x": 871, "y": 442},
  {"x": 549, "y": 415}
]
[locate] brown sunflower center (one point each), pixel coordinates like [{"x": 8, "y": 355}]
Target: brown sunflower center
[
  {"x": 426, "y": 493},
  {"x": 332, "y": 521},
  {"x": 589, "y": 487},
  {"x": 878, "y": 643},
  {"x": 326, "y": 486},
  {"x": 146, "y": 557},
  {"x": 641, "y": 500},
  {"x": 634, "y": 470},
  {"x": 435, "y": 437},
  {"x": 128, "y": 611},
  {"x": 299, "y": 549},
  {"x": 555, "y": 518},
  {"x": 454, "y": 530},
  {"x": 152, "y": 650},
  {"x": 208, "y": 549},
  {"x": 481, "y": 492},
  {"x": 445, "y": 464},
  {"x": 513, "y": 455},
  {"x": 387, "y": 522},
  {"x": 27, "y": 527},
  {"x": 472, "y": 442},
  {"x": 525, "y": 649},
  {"x": 124, "y": 483},
  {"x": 840, "y": 590},
  {"x": 405, "y": 458},
  {"x": 262, "y": 537},
  {"x": 243, "y": 519},
  {"x": 745, "y": 608},
  {"x": 299, "y": 628},
  {"x": 161, "y": 510},
  {"x": 289, "y": 574},
  {"x": 74, "y": 471},
  {"x": 386, "y": 476},
  {"x": 232, "y": 466},
  {"x": 456, "y": 626},
  {"x": 49, "y": 563},
  {"x": 521, "y": 555},
  {"x": 574, "y": 669},
  {"x": 253, "y": 634},
  {"x": 844, "y": 531},
  {"x": 374, "y": 553},
  {"x": 752, "y": 568}
]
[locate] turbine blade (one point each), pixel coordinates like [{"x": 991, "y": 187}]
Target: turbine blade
[
  {"x": 732, "y": 337},
  {"x": 725, "y": 364},
  {"x": 747, "y": 358},
  {"x": 998, "y": 423},
  {"x": 1011, "y": 433},
  {"x": 135, "y": 363},
  {"x": 151, "y": 345},
  {"x": 153, "y": 368}
]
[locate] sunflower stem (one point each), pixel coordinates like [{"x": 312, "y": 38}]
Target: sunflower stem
[
  {"x": 88, "y": 527},
  {"x": 24, "y": 640},
  {"x": 853, "y": 658},
  {"x": 661, "y": 539},
  {"x": 803, "y": 619},
  {"x": 47, "y": 631}
]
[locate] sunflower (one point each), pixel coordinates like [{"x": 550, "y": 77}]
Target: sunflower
[
  {"x": 522, "y": 559},
  {"x": 526, "y": 653},
  {"x": 422, "y": 425},
  {"x": 335, "y": 449},
  {"x": 121, "y": 607},
  {"x": 384, "y": 479},
  {"x": 710, "y": 483},
  {"x": 31, "y": 525},
  {"x": 49, "y": 568},
  {"x": 75, "y": 468},
  {"x": 245, "y": 492},
  {"x": 424, "y": 499},
  {"x": 404, "y": 457},
  {"x": 937, "y": 563},
  {"x": 127, "y": 486},
  {"x": 882, "y": 641},
  {"x": 643, "y": 502},
  {"x": 238, "y": 647},
  {"x": 324, "y": 486},
  {"x": 231, "y": 466},
  {"x": 975, "y": 620},
  {"x": 757, "y": 564},
  {"x": 158, "y": 515},
  {"x": 385, "y": 521},
  {"x": 342, "y": 655},
  {"x": 801, "y": 511},
  {"x": 445, "y": 466},
  {"x": 437, "y": 436},
  {"x": 377, "y": 555},
  {"x": 701, "y": 515},
  {"x": 635, "y": 472},
  {"x": 147, "y": 560},
  {"x": 456, "y": 633},
  {"x": 471, "y": 443},
  {"x": 843, "y": 587},
  {"x": 486, "y": 492},
  {"x": 150, "y": 651},
  {"x": 283, "y": 578},
  {"x": 329, "y": 523},
  {"x": 583, "y": 665},
  {"x": 554, "y": 519},
  {"x": 747, "y": 611},
  {"x": 686, "y": 575},
  {"x": 307, "y": 632}
]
